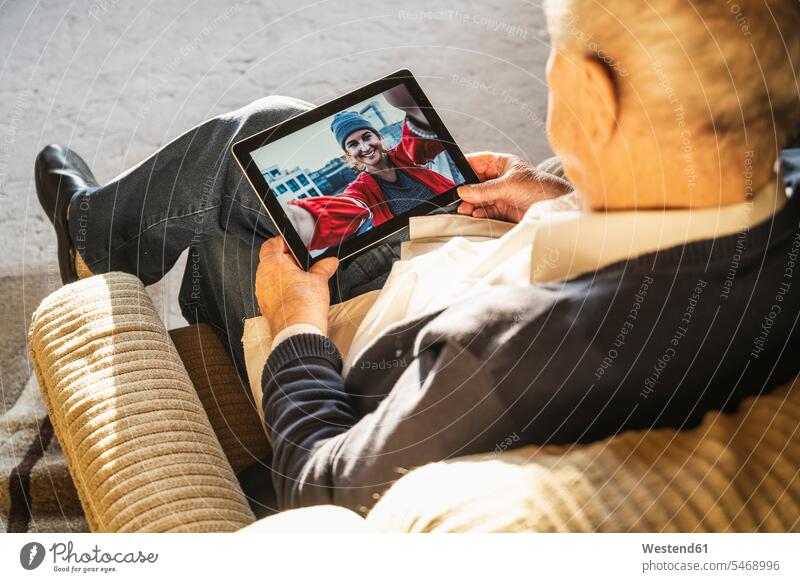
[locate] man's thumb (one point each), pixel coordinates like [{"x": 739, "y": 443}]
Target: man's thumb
[
  {"x": 483, "y": 193},
  {"x": 325, "y": 267}
]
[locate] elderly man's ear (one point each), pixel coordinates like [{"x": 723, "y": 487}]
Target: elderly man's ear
[
  {"x": 599, "y": 103},
  {"x": 582, "y": 109}
]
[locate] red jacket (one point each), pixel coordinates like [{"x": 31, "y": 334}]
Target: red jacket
[{"x": 339, "y": 216}]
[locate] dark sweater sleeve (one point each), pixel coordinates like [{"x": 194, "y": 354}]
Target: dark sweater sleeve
[{"x": 323, "y": 453}]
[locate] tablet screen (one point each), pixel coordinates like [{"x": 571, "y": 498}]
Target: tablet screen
[{"x": 358, "y": 168}]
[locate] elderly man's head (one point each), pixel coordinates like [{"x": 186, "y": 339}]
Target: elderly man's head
[{"x": 672, "y": 103}]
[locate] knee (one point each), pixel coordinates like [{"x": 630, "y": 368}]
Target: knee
[
  {"x": 267, "y": 111},
  {"x": 279, "y": 103},
  {"x": 257, "y": 116}
]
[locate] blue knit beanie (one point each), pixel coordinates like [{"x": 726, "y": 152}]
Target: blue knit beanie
[{"x": 346, "y": 122}]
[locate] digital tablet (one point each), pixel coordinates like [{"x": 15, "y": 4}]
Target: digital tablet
[{"x": 340, "y": 178}]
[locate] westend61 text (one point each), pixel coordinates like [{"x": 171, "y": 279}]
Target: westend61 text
[{"x": 673, "y": 549}]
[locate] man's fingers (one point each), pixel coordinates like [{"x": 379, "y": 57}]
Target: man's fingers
[
  {"x": 487, "y": 211},
  {"x": 480, "y": 163},
  {"x": 483, "y": 193},
  {"x": 466, "y": 208},
  {"x": 269, "y": 247},
  {"x": 481, "y": 213},
  {"x": 325, "y": 267},
  {"x": 488, "y": 165},
  {"x": 273, "y": 246}
]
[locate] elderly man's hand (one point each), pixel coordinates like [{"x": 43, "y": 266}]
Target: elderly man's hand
[
  {"x": 286, "y": 294},
  {"x": 509, "y": 186}
]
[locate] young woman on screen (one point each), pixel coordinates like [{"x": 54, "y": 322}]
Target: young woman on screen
[{"x": 391, "y": 181}]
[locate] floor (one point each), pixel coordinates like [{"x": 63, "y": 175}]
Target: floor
[{"x": 116, "y": 80}]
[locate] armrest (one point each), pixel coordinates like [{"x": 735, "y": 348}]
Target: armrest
[
  {"x": 138, "y": 443},
  {"x": 733, "y": 473},
  {"x": 227, "y": 401}
]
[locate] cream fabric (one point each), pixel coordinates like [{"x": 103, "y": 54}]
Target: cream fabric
[
  {"x": 295, "y": 329},
  {"x": 319, "y": 519}
]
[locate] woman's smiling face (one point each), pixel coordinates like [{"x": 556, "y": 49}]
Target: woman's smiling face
[{"x": 365, "y": 146}]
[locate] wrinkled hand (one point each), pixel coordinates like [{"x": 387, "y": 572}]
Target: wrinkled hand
[
  {"x": 286, "y": 294},
  {"x": 508, "y": 187}
]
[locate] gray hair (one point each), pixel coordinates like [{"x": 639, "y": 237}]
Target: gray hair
[{"x": 729, "y": 66}]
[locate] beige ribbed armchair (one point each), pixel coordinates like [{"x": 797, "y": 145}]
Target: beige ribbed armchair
[{"x": 155, "y": 425}]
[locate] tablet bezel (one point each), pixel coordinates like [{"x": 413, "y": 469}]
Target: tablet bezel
[{"x": 353, "y": 246}]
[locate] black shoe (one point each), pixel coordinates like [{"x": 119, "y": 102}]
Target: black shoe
[{"x": 60, "y": 173}]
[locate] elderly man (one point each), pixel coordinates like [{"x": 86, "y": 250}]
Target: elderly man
[{"x": 655, "y": 284}]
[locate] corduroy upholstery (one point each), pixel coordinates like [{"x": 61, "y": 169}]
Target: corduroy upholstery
[
  {"x": 734, "y": 473},
  {"x": 228, "y": 403},
  {"x": 138, "y": 442}
]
